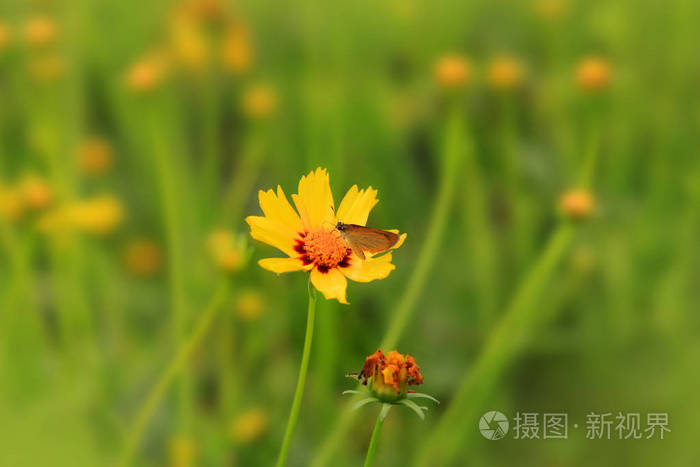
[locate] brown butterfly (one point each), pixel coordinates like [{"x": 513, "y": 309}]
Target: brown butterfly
[{"x": 362, "y": 239}]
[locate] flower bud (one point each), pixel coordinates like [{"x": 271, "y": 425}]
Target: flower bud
[
  {"x": 504, "y": 73},
  {"x": 452, "y": 72},
  {"x": 40, "y": 31},
  {"x": 389, "y": 376},
  {"x": 577, "y": 204},
  {"x": 593, "y": 74}
]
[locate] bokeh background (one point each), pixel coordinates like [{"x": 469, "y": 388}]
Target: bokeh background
[{"x": 137, "y": 329}]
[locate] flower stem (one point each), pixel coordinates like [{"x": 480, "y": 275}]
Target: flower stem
[
  {"x": 166, "y": 378},
  {"x": 375, "y": 434},
  {"x": 454, "y": 145},
  {"x": 454, "y": 149},
  {"x": 171, "y": 200},
  {"x": 296, "y": 405},
  {"x": 503, "y": 344}
]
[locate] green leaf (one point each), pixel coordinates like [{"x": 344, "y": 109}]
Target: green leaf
[
  {"x": 366, "y": 401},
  {"x": 413, "y": 406},
  {"x": 352, "y": 391},
  {"x": 420, "y": 395}
]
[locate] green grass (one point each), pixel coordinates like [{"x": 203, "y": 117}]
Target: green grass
[{"x": 505, "y": 304}]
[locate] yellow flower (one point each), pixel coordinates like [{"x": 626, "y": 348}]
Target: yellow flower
[
  {"x": 236, "y": 51},
  {"x": 249, "y": 425},
  {"x": 40, "y": 31},
  {"x": 453, "y": 71},
  {"x": 4, "y": 35},
  {"x": 228, "y": 253},
  {"x": 309, "y": 238},
  {"x": 593, "y": 74},
  {"x": 577, "y": 204},
  {"x": 189, "y": 43},
  {"x": 95, "y": 156},
  {"x": 142, "y": 257},
  {"x": 98, "y": 216},
  {"x": 147, "y": 73},
  {"x": 36, "y": 192},
  {"x": 182, "y": 451},
  {"x": 504, "y": 73},
  {"x": 259, "y": 101}
]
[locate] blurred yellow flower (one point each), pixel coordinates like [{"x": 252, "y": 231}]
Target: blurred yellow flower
[
  {"x": 4, "y": 35},
  {"x": 552, "y": 10},
  {"x": 11, "y": 203},
  {"x": 577, "y": 204},
  {"x": 95, "y": 156},
  {"x": 228, "y": 254},
  {"x": 453, "y": 71},
  {"x": 259, "y": 101},
  {"x": 593, "y": 74},
  {"x": 147, "y": 73},
  {"x": 40, "y": 31},
  {"x": 188, "y": 41},
  {"x": 250, "y": 305},
  {"x": 249, "y": 425},
  {"x": 143, "y": 257},
  {"x": 309, "y": 238},
  {"x": 36, "y": 192},
  {"x": 182, "y": 451},
  {"x": 47, "y": 68},
  {"x": 99, "y": 216},
  {"x": 236, "y": 51},
  {"x": 504, "y": 73}
]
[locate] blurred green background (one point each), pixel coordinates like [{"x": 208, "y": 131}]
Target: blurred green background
[{"x": 137, "y": 329}]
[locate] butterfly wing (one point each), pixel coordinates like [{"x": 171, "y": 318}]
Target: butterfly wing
[{"x": 362, "y": 239}]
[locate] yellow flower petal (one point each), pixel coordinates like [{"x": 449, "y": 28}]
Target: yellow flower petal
[
  {"x": 370, "y": 269},
  {"x": 402, "y": 238},
  {"x": 281, "y": 265},
  {"x": 273, "y": 232},
  {"x": 315, "y": 200},
  {"x": 276, "y": 206},
  {"x": 331, "y": 284},
  {"x": 356, "y": 205}
]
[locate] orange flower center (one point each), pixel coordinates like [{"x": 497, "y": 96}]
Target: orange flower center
[{"x": 324, "y": 248}]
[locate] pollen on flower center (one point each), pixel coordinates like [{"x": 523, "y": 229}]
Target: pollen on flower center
[{"x": 324, "y": 248}]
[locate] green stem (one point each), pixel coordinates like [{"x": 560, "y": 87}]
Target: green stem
[
  {"x": 298, "y": 394},
  {"x": 185, "y": 351},
  {"x": 502, "y": 345},
  {"x": 453, "y": 155},
  {"x": 171, "y": 200},
  {"x": 210, "y": 135},
  {"x": 244, "y": 177},
  {"x": 591, "y": 156},
  {"x": 375, "y": 434},
  {"x": 454, "y": 151}
]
